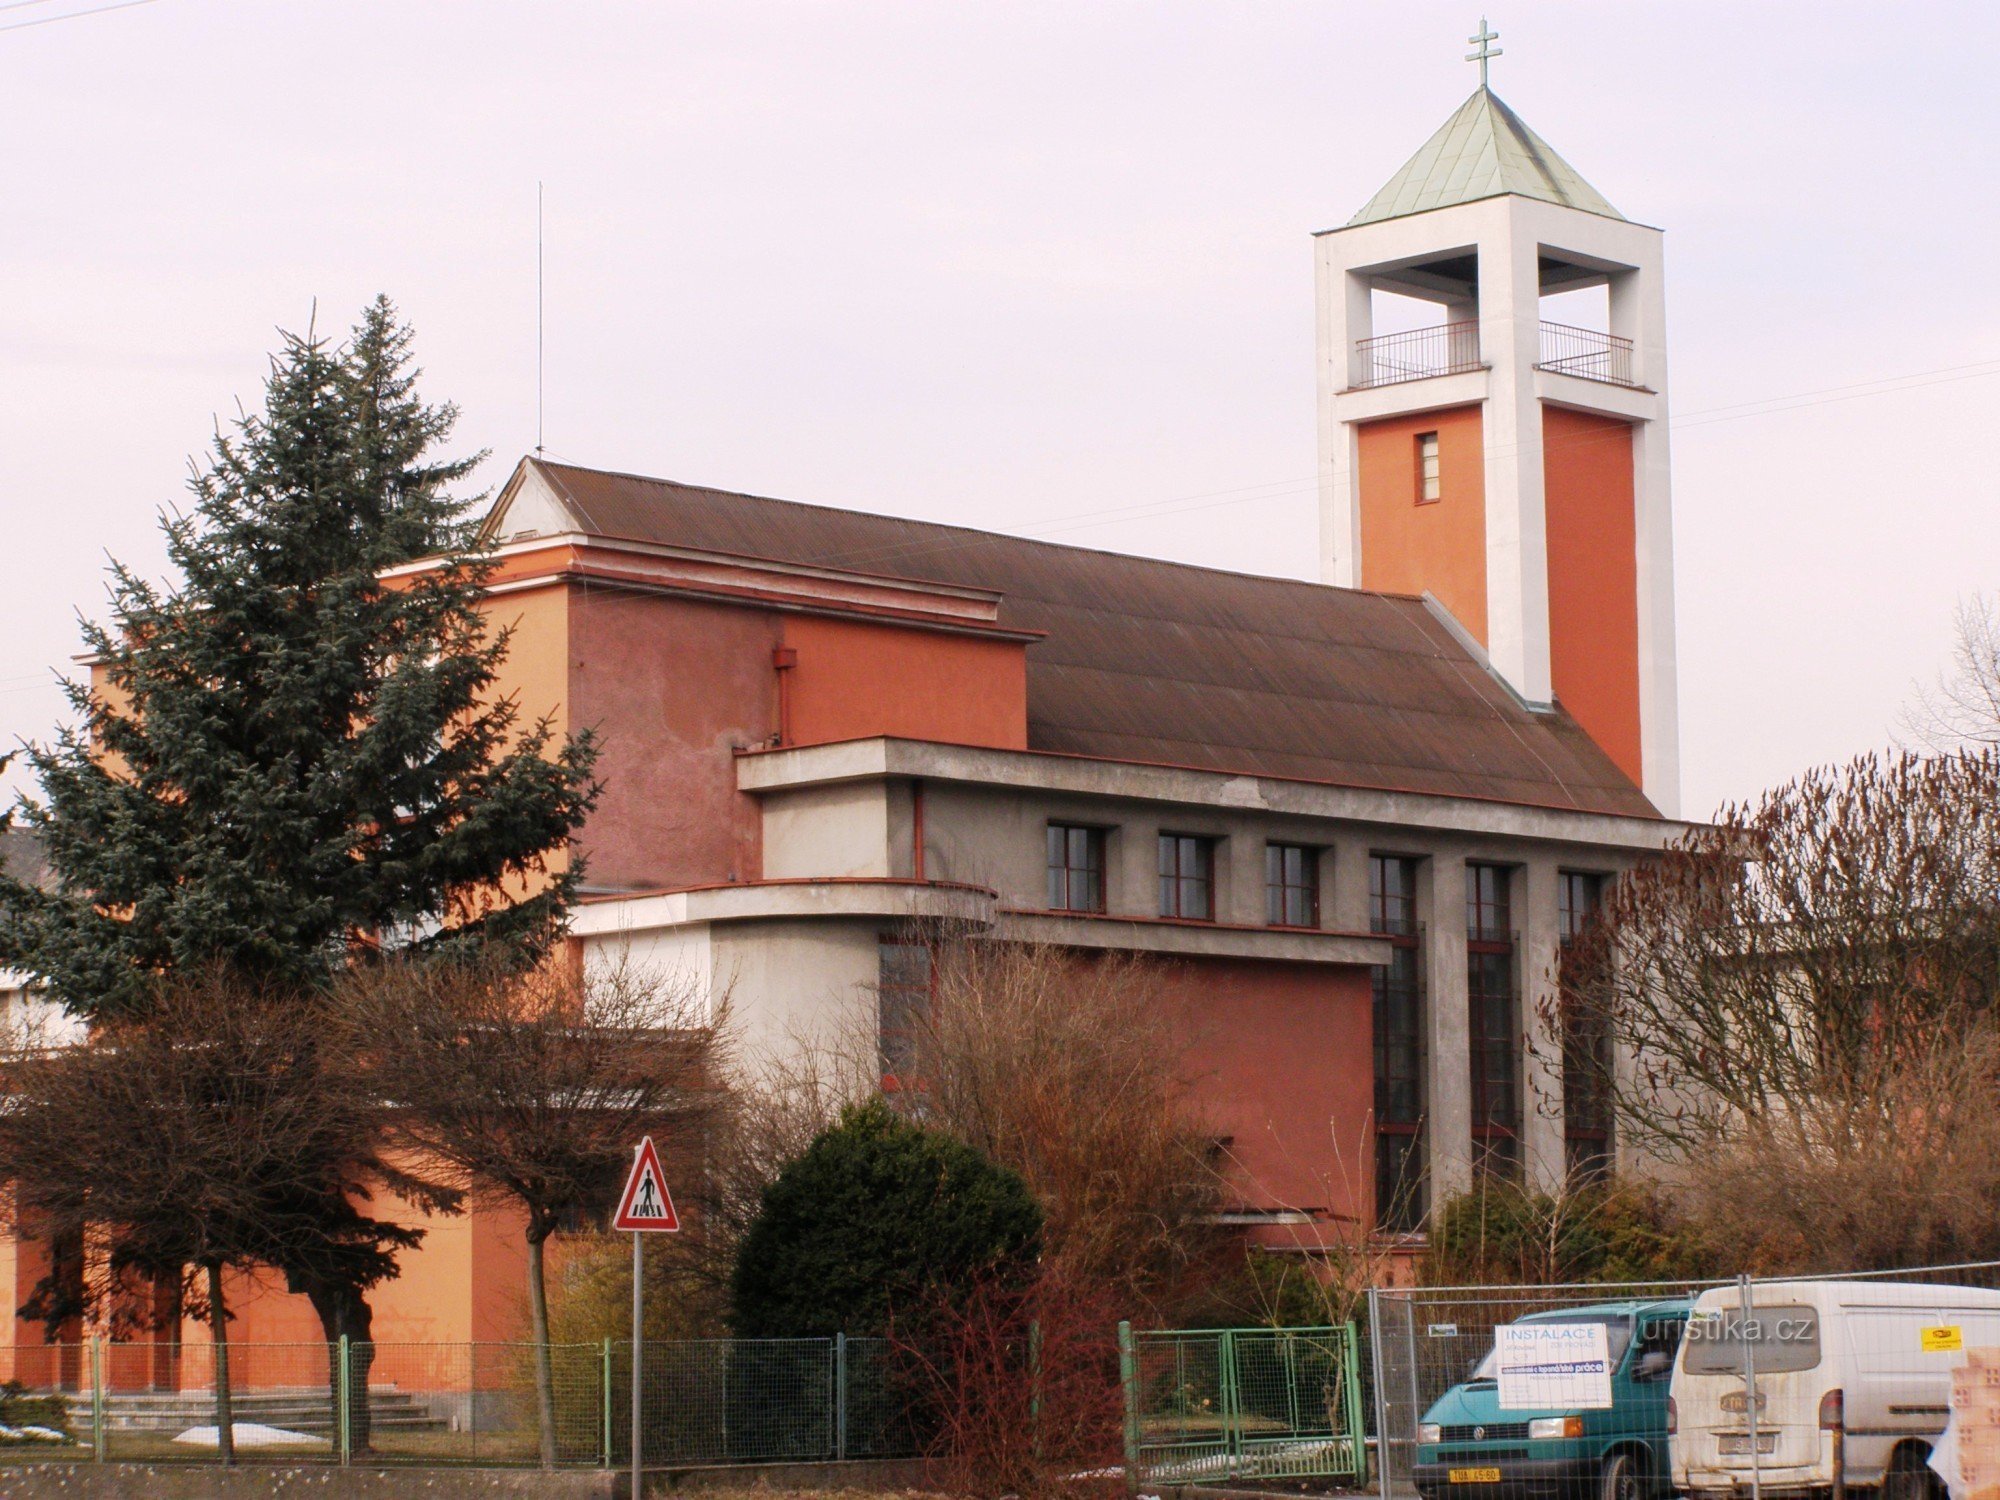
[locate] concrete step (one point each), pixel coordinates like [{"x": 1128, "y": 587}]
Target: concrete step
[{"x": 296, "y": 1410}]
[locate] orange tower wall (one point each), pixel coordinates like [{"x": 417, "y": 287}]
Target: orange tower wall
[
  {"x": 1593, "y": 578},
  {"x": 1440, "y": 547}
]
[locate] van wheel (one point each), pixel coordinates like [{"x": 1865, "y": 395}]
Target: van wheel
[
  {"x": 1909, "y": 1476},
  {"x": 1620, "y": 1479}
]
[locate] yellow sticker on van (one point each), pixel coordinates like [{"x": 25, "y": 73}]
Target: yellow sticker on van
[{"x": 1942, "y": 1340}]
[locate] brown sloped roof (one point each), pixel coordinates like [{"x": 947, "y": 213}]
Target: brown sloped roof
[{"x": 1174, "y": 664}]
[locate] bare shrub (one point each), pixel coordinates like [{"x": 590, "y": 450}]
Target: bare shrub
[
  {"x": 1072, "y": 1069},
  {"x": 1904, "y": 1173},
  {"x": 1016, "y": 1387}
]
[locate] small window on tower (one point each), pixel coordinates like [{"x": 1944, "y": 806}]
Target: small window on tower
[{"x": 1428, "y": 488}]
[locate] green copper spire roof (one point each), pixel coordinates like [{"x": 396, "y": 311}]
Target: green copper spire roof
[{"x": 1483, "y": 151}]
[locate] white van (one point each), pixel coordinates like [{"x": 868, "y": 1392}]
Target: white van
[{"x": 1853, "y": 1385}]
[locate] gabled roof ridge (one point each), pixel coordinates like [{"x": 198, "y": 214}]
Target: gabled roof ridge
[{"x": 857, "y": 563}]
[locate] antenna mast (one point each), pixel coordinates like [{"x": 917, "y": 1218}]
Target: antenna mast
[{"x": 538, "y": 317}]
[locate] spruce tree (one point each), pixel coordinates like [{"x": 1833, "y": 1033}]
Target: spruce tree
[{"x": 296, "y": 752}]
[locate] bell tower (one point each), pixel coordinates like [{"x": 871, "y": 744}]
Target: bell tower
[{"x": 1510, "y": 466}]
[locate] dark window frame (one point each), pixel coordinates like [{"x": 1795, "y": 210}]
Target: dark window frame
[
  {"x": 1065, "y": 842},
  {"x": 1401, "y": 1053},
  {"x": 1176, "y": 852},
  {"x": 1493, "y": 1003},
  {"x": 1587, "y": 1146},
  {"x": 1280, "y": 888},
  {"x": 902, "y": 997}
]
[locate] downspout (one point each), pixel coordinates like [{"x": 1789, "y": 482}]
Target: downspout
[
  {"x": 917, "y": 830},
  {"x": 783, "y": 659}
]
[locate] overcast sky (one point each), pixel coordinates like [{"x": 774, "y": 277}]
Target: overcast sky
[{"x": 1042, "y": 268}]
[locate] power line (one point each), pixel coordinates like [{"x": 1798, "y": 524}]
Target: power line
[{"x": 75, "y": 15}]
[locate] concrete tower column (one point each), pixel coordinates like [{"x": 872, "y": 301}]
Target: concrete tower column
[
  {"x": 1448, "y": 1075},
  {"x": 1542, "y": 1153}
]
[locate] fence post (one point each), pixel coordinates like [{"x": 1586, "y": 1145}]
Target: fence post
[
  {"x": 97, "y": 1433},
  {"x": 607, "y": 1403},
  {"x": 1128, "y": 1376},
  {"x": 1745, "y": 1305},
  {"x": 1355, "y": 1417},
  {"x": 345, "y": 1415},
  {"x": 840, "y": 1396},
  {"x": 1232, "y": 1426},
  {"x": 1381, "y": 1389}
]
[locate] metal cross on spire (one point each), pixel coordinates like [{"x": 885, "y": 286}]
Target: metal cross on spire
[{"x": 1487, "y": 51}]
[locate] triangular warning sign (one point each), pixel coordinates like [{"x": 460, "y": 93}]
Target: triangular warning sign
[{"x": 646, "y": 1204}]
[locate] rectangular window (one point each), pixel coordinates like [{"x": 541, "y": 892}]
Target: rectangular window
[
  {"x": 905, "y": 990},
  {"x": 1491, "y": 1013},
  {"x": 1187, "y": 877},
  {"x": 1399, "y": 1046},
  {"x": 1291, "y": 885},
  {"x": 1392, "y": 895},
  {"x": 1429, "y": 469},
  {"x": 1586, "y": 1040},
  {"x": 1076, "y": 868}
]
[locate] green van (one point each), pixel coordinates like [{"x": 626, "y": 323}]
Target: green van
[{"x": 1469, "y": 1449}]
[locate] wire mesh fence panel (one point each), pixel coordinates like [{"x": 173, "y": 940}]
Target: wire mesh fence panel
[
  {"x": 1551, "y": 1391},
  {"x": 705, "y": 1401},
  {"x": 1212, "y": 1405},
  {"x": 159, "y": 1403},
  {"x": 730, "y": 1401},
  {"x": 1713, "y": 1391},
  {"x": 1887, "y": 1381},
  {"x": 45, "y": 1406}
]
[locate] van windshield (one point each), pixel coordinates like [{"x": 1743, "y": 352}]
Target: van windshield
[
  {"x": 1780, "y": 1339},
  {"x": 1617, "y": 1334}
]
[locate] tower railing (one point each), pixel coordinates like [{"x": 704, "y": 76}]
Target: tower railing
[
  {"x": 1586, "y": 353},
  {"x": 1418, "y": 353}
]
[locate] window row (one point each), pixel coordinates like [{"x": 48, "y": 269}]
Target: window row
[
  {"x": 1494, "y": 1037},
  {"x": 1186, "y": 876}
]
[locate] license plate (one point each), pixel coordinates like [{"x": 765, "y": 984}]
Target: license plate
[
  {"x": 1473, "y": 1476},
  {"x": 1737, "y": 1444}
]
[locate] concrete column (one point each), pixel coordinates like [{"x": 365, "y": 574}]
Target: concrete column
[
  {"x": 1239, "y": 880},
  {"x": 1343, "y": 886},
  {"x": 1542, "y": 1154},
  {"x": 1132, "y": 870},
  {"x": 1517, "y": 562},
  {"x": 1448, "y": 1110}
]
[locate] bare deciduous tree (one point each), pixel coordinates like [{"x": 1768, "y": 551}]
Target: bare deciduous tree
[
  {"x": 1962, "y": 707},
  {"x": 533, "y": 1089},
  {"x": 1799, "y": 981},
  {"x": 191, "y": 1142}
]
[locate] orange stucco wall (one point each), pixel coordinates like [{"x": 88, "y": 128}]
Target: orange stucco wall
[
  {"x": 673, "y": 687},
  {"x": 1593, "y": 578},
  {"x": 855, "y": 679},
  {"x": 1285, "y": 1060},
  {"x": 1440, "y": 548}
]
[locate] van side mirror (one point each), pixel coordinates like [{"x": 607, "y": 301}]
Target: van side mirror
[{"x": 1654, "y": 1364}]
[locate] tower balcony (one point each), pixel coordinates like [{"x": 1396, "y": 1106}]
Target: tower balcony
[
  {"x": 1451, "y": 348},
  {"x": 1586, "y": 354},
  {"x": 1418, "y": 354}
]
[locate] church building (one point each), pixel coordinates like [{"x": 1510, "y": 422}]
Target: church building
[{"x": 1359, "y": 815}]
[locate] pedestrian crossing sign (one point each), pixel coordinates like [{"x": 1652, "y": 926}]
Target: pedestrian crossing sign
[{"x": 646, "y": 1205}]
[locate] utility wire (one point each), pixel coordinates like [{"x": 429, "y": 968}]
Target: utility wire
[{"x": 75, "y": 15}]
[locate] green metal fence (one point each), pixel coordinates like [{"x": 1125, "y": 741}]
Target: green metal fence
[
  {"x": 1214, "y": 1405},
  {"x": 703, "y": 1401}
]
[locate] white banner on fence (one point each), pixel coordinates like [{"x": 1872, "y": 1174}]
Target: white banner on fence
[{"x": 1552, "y": 1366}]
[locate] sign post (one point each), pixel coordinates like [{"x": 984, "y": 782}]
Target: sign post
[{"x": 645, "y": 1207}]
